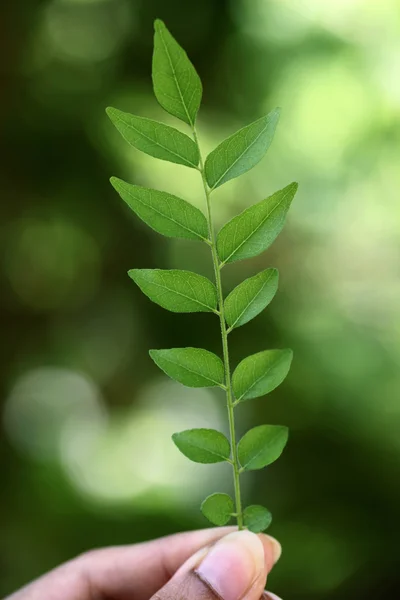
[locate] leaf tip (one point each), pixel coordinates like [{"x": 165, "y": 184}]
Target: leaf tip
[
  {"x": 158, "y": 25},
  {"x": 274, "y": 115},
  {"x": 110, "y": 110},
  {"x": 287, "y": 352},
  {"x": 133, "y": 273},
  {"x": 290, "y": 190},
  {"x": 174, "y": 438},
  {"x": 285, "y": 431}
]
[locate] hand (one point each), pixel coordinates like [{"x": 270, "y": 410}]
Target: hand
[{"x": 209, "y": 564}]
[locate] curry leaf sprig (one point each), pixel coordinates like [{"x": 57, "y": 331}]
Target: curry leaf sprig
[{"x": 178, "y": 89}]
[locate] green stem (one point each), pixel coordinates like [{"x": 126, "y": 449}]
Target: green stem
[{"x": 228, "y": 382}]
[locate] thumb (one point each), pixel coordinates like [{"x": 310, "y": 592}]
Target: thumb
[{"x": 235, "y": 568}]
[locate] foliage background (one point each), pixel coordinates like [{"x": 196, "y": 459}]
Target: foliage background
[{"x": 85, "y": 454}]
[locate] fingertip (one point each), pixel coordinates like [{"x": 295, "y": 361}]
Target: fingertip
[
  {"x": 234, "y": 565},
  {"x": 272, "y": 550}
]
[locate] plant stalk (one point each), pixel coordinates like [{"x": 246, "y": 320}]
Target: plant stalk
[{"x": 225, "y": 349}]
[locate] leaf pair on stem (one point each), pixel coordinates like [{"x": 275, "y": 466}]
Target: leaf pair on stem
[{"x": 178, "y": 89}]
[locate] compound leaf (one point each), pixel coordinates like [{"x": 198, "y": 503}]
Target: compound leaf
[
  {"x": 176, "y": 290},
  {"x": 154, "y": 138},
  {"x": 260, "y": 373},
  {"x": 203, "y": 445},
  {"x": 261, "y": 446},
  {"x": 254, "y": 230},
  {"x": 241, "y": 151},
  {"x": 218, "y": 508},
  {"x": 163, "y": 212},
  {"x": 250, "y": 297},
  {"x": 193, "y": 367},
  {"x": 257, "y": 518},
  {"x": 176, "y": 83}
]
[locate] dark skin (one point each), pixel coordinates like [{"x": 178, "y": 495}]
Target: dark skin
[{"x": 209, "y": 564}]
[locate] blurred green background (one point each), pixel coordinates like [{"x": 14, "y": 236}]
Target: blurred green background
[{"x": 85, "y": 453}]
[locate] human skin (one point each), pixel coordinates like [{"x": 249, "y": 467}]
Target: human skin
[{"x": 209, "y": 564}]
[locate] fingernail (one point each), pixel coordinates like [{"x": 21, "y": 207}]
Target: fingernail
[
  {"x": 270, "y": 596},
  {"x": 276, "y": 547},
  {"x": 233, "y": 564}
]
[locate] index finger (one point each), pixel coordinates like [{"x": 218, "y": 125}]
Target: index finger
[{"x": 140, "y": 570}]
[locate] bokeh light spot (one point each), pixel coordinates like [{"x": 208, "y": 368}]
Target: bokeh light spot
[
  {"x": 103, "y": 339},
  {"x": 43, "y": 402},
  {"x": 321, "y": 557},
  {"x": 52, "y": 263},
  {"x": 132, "y": 461},
  {"x": 86, "y": 31},
  {"x": 318, "y": 132}
]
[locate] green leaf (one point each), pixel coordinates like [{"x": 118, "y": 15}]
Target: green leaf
[
  {"x": 261, "y": 446},
  {"x": 260, "y": 373},
  {"x": 193, "y": 367},
  {"x": 249, "y": 298},
  {"x": 241, "y": 151},
  {"x": 176, "y": 290},
  {"x": 254, "y": 230},
  {"x": 177, "y": 85},
  {"x": 257, "y": 518},
  {"x": 163, "y": 212},
  {"x": 218, "y": 508},
  {"x": 156, "y": 139},
  {"x": 203, "y": 445}
]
